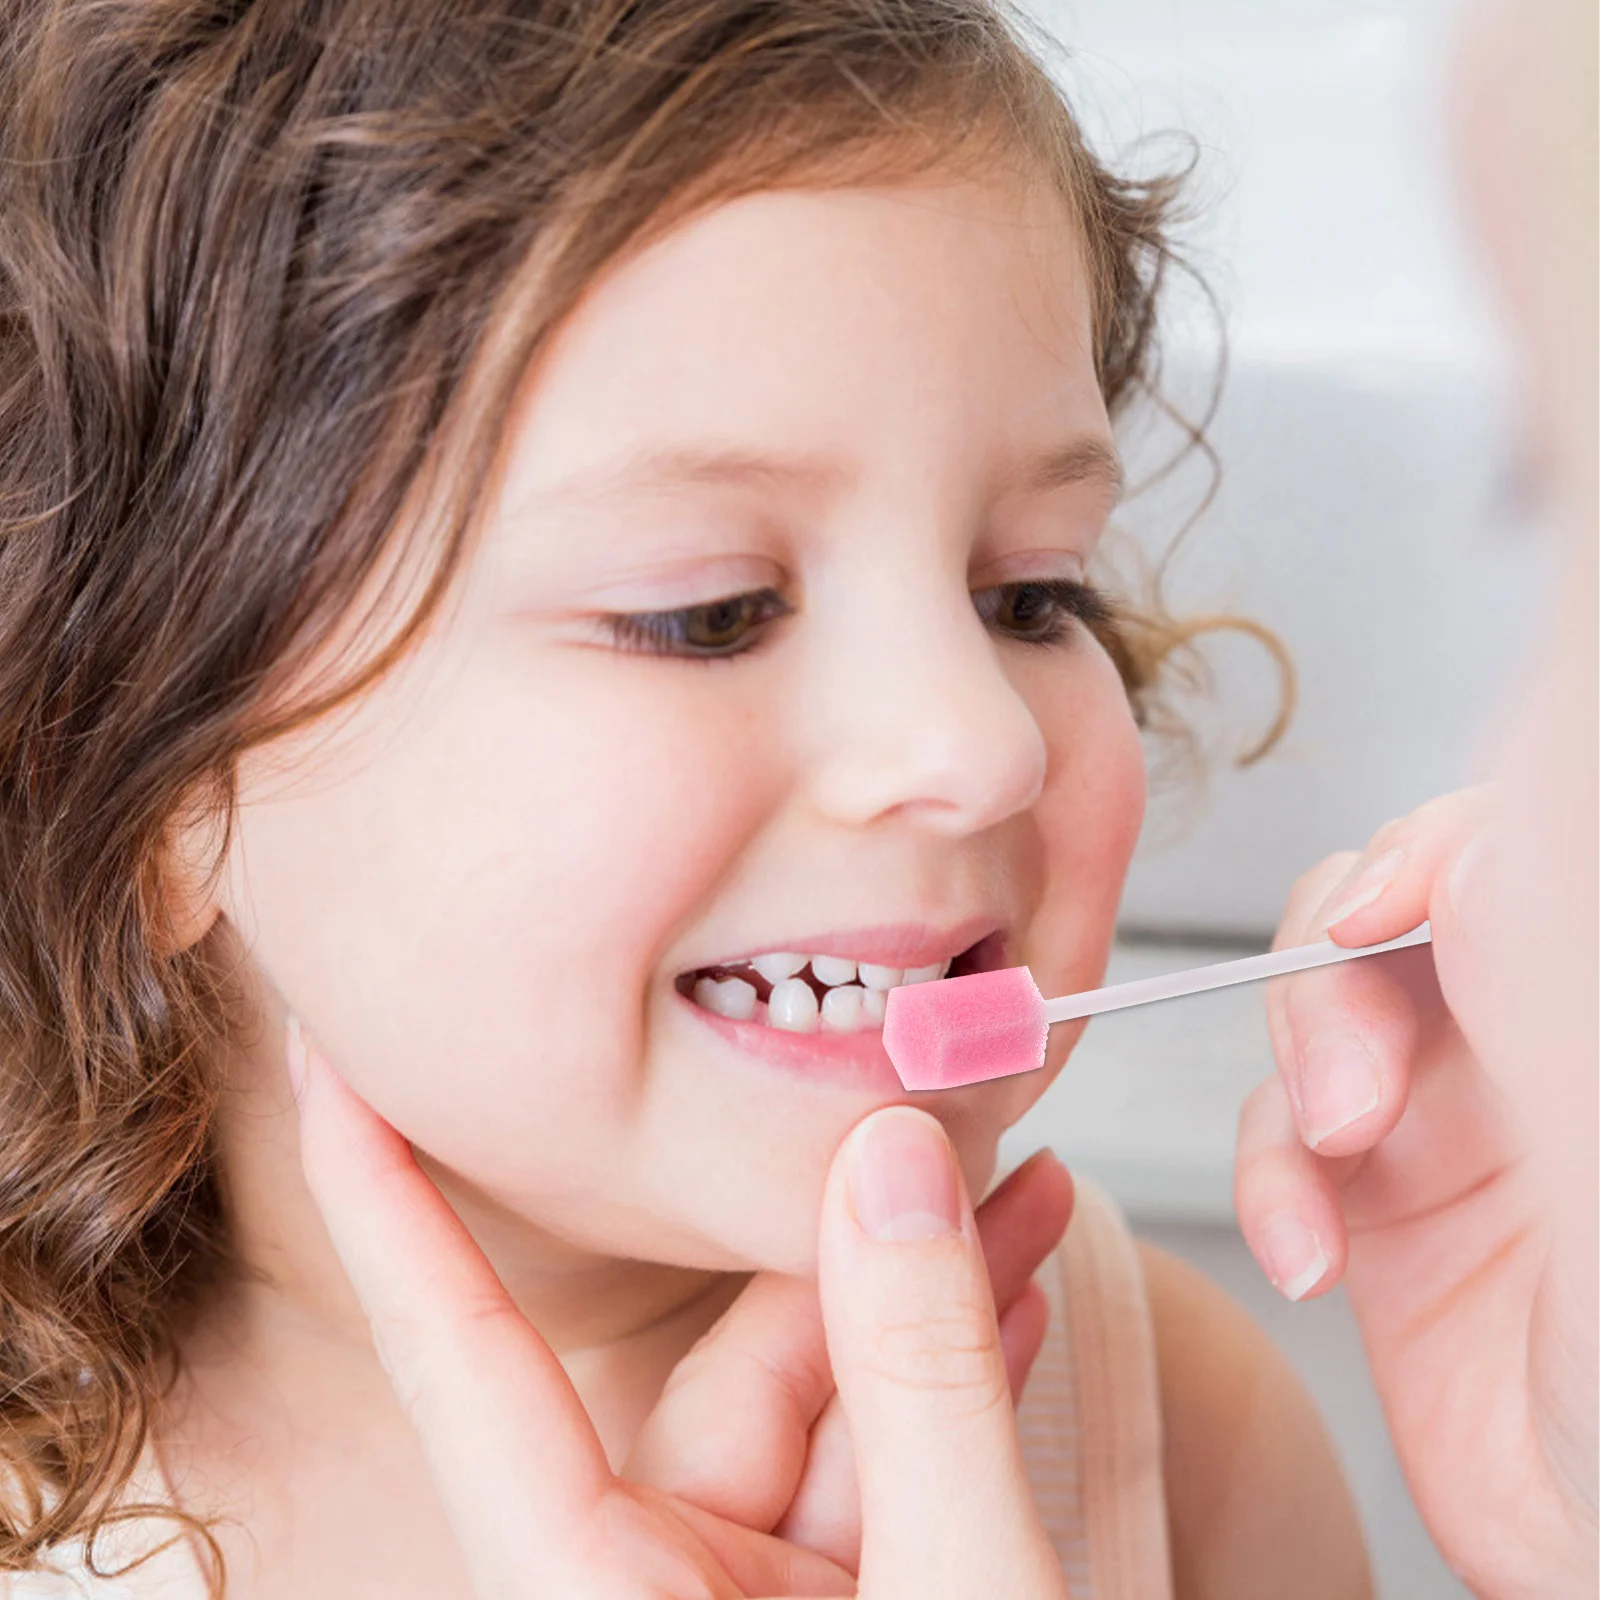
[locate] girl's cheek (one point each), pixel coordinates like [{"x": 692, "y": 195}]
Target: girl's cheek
[{"x": 1088, "y": 824}]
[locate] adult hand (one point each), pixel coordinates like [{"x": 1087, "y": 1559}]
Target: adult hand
[
  {"x": 1388, "y": 1152},
  {"x": 912, "y": 1341},
  {"x": 750, "y": 1425}
]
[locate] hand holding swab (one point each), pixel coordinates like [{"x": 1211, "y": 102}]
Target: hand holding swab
[{"x": 992, "y": 1024}]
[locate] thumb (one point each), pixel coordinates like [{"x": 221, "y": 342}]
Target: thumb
[{"x": 946, "y": 1508}]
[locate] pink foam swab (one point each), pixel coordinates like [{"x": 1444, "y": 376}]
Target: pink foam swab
[{"x": 955, "y": 1031}]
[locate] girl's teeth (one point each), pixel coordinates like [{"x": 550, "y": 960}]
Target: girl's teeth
[
  {"x": 848, "y": 1006},
  {"x": 833, "y": 969},
  {"x": 777, "y": 965},
  {"x": 729, "y": 997},
  {"x": 841, "y": 1007},
  {"x": 880, "y": 977},
  {"x": 792, "y": 1005}
]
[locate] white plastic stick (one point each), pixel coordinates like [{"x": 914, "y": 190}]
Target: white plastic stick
[{"x": 1218, "y": 976}]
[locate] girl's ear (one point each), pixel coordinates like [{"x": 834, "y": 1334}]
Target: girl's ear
[{"x": 185, "y": 879}]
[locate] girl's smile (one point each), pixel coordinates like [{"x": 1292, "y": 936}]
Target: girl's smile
[{"x": 816, "y": 1006}]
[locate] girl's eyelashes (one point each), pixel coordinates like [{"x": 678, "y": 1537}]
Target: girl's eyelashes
[
  {"x": 711, "y": 631},
  {"x": 1042, "y": 610},
  {"x": 1036, "y": 611}
]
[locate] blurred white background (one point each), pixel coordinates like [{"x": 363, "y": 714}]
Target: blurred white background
[{"x": 1369, "y": 512}]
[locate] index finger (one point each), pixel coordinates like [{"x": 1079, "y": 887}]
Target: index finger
[
  {"x": 512, "y": 1451},
  {"x": 1393, "y": 884},
  {"x": 1344, "y": 1036}
]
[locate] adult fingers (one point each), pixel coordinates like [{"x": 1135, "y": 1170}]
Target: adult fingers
[
  {"x": 1023, "y": 1326},
  {"x": 765, "y": 1363},
  {"x": 1387, "y": 889},
  {"x": 757, "y": 1563},
  {"x": 825, "y": 1514},
  {"x": 1345, "y": 1035},
  {"x": 1286, "y": 1198},
  {"x": 1019, "y": 1224},
  {"x": 1022, "y": 1221},
  {"x": 515, "y": 1458},
  {"x": 1417, "y": 868},
  {"x": 730, "y": 1431},
  {"x": 912, "y": 1334}
]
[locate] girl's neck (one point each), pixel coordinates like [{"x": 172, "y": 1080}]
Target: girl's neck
[
  {"x": 289, "y": 1430},
  {"x": 294, "y": 1321}
]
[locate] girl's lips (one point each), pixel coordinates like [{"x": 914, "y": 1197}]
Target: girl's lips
[{"x": 850, "y": 1060}]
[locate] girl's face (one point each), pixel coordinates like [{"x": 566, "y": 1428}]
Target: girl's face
[{"x": 867, "y": 421}]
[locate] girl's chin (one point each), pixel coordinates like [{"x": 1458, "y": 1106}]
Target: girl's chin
[{"x": 762, "y": 1217}]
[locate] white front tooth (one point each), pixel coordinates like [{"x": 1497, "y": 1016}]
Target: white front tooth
[
  {"x": 873, "y": 1002},
  {"x": 841, "y": 1008},
  {"x": 924, "y": 974},
  {"x": 833, "y": 969},
  {"x": 729, "y": 997},
  {"x": 879, "y": 977},
  {"x": 777, "y": 965},
  {"x": 792, "y": 1006}
]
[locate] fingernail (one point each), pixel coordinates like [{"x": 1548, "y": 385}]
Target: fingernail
[
  {"x": 1363, "y": 886},
  {"x": 1338, "y": 1084},
  {"x": 902, "y": 1178},
  {"x": 294, "y": 1056},
  {"x": 1036, "y": 1158},
  {"x": 1296, "y": 1262}
]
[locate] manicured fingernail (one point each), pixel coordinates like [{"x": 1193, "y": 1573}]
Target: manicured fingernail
[
  {"x": 294, "y": 1056},
  {"x": 1296, "y": 1262},
  {"x": 1363, "y": 886},
  {"x": 902, "y": 1177},
  {"x": 1338, "y": 1084}
]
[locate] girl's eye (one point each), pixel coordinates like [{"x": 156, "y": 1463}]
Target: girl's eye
[
  {"x": 706, "y": 632},
  {"x": 1040, "y": 610},
  {"x": 1037, "y": 611}
]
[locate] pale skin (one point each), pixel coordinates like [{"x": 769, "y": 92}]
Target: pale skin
[
  {"x": 1453, "y": 1192},
  {"x": 478, "y": 890}
]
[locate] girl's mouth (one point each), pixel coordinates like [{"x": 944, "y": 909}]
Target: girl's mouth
[{"x": 793, "y": 991}]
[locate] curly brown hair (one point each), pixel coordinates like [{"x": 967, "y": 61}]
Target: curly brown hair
[{"x": 251, "y": 259}]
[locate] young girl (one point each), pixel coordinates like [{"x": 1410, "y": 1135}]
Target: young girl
[{"x": 551, "y": 540}]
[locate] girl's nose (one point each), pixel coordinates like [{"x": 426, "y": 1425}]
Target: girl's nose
[{"x": 923, "y": 720}]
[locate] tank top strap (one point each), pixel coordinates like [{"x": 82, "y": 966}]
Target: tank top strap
[{"x": 1090, "y": 1415}]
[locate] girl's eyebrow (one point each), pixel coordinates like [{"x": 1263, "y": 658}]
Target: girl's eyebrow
[
  {"x": 1086, "y": 458},
  {"x": 691, "y": 466}
]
